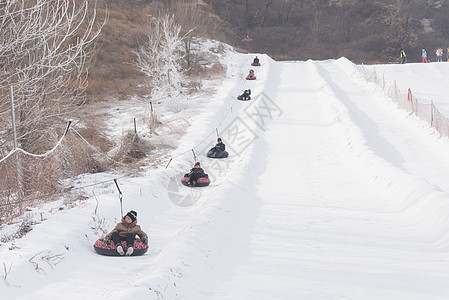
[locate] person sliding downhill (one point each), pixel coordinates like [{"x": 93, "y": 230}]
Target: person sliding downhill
[
  {"x": 256, "y": 62},
  {"x": 246, "y": 94},
  {"x": 195, "y": 173},
  {"x": 251, "y": 75},
  {"x": 219, "y": 147},
  {"x": 126, "y": 230}
]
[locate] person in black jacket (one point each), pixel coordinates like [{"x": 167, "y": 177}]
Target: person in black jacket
[
  {"x": 219, "y": 147},
  {"x": 195, "y": 173},
  {"x": 246, "y": 94},
  {"x": 256, "y": 61}
]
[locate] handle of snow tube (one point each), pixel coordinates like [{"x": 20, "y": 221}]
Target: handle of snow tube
[{"x": 120, "y": 197}]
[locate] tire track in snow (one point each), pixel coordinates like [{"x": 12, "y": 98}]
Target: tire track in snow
[
  {"x": 326, "y": 229},
  {"x": 407, "y": 148}
]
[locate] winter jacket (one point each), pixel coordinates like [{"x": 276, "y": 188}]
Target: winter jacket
[
  {"x": 198, "y": 171},
  {"x": 403, "y": 54},
  {"x": 220, "y": 146},
  {"x": 246, "y": 93},
  {"x": 424, "y": 54},
  {"x": 123, "y": 229},
  {"x": 256, "y": 60}
]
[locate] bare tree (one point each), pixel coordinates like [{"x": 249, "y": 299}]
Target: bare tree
[
  {"x": 283, "y": 9},
  {"x": 402, "y": 23},
  {"x": 441, "y": 21},
  {"x": 195, "y": 21},
  {"x": 44, "y": 54}
]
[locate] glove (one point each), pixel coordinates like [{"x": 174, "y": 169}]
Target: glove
[
  {"x": 145, "y": 241},
  {"x": 107, "y": 239}
]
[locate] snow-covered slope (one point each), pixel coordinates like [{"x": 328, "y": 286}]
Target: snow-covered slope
[
  {"x": 330, "y": 192},
  {"x": 427, "y": 81}
]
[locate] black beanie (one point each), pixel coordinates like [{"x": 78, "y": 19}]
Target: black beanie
[{"x": 132, "y": 214}]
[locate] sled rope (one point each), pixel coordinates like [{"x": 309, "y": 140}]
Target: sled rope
[
  {"x": 168, "y": 163},
  {"x": 120, "y": 197},
  {"x": 96, "y": 149},
  {"x": 214, "y": 131},
  {"x": 40, "y": 155}
]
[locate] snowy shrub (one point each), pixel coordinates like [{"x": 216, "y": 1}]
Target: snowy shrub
[{"x": 160, "y": 57}]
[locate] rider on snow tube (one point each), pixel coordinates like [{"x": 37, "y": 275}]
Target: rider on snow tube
[
  {"x": 122, "y": 237},
  {"x": 196, "y": 177},
  {"x": 251, "y": 75},
  {"x": 255, "y": 62},
  {"x": 245, "y": 96},
  {"x": 218, "y": 151}
]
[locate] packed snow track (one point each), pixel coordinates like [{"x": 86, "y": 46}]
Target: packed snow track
[{"x": 329, "y": 192}]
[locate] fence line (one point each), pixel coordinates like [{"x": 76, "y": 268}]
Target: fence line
[
  {"x": 410, "y": 103},
  {"x": 30, "y": 179}
]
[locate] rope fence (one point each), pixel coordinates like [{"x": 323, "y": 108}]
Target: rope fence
[
  {"x": 213, "y": 131},
  {"x": 410, "y": 103},
  {"x": 27, "y": 179}
]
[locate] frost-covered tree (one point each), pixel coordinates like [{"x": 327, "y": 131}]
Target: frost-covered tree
[
  {"x": 159, "y": 58},
  {"x": 44, "y": 55}
]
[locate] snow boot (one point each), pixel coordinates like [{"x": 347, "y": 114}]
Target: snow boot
[
  {"x": 120, "y": 250},
  {"x": 129, "y": 251}
]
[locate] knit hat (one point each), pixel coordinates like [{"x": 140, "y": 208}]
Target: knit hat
[
  {"x": 132, "y": 215},
  {"x": 197, "y": 163},
  {"x": 219, "y": 139}
]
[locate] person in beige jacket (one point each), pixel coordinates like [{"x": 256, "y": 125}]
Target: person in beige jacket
[{"x": 127, "y": 230}]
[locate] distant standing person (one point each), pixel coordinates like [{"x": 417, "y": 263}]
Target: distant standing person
[
  {"x": 403, "y": 56},
  {"x": 424, "y": 56},
  {"x": 439, "y": 55}
]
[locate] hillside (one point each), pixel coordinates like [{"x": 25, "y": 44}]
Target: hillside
[
  {"x": 113, "y": 72},
  {"x": 330, "y": 191},
  {"x": 363, "y": 31}
]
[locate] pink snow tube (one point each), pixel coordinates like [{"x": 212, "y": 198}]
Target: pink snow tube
[
  {"x": 202, "y": 181},
  {"x": 108, "y": 248}
]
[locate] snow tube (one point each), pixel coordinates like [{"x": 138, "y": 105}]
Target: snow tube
[
  {"x": 241, "y": 98},
  {"x": 250, "y": 78},
  {"x": 202, "y": 181},
  {"x": 108, "y": 248},
  {"x": 221, "y": 154},
  {"x": 255, "y": 64}
]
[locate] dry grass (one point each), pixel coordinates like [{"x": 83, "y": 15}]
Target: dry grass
[
  {"x": 112, "y": 71},
  {"x": 93, "y": 131},
  {"x": 133, "y": 148},
  {"x": 112, "y": 75}
]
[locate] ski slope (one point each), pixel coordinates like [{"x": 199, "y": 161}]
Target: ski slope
[{"x": 330, "y": 192}]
